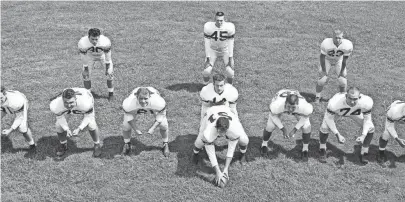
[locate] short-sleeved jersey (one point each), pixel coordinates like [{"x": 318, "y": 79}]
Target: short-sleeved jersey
[
  {"x": 156, "y": 103},
  {"x": 84, "y": 103},
  {"x": 228, "y": 96},
  {"x": 337, "y": 105},
  {"x": 396, "y": 112},
  {"x": 329, "y": 49},
  {"x": 219, "y": 35},
  {"x": 213, "y": 113},
  {"x": 86, "y": 47},
  {"x": 277, "y": 105},
  {"x": 14, "y": 102}
]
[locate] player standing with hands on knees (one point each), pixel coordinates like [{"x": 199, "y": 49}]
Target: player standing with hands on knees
[{"x": 219, "y": 42}]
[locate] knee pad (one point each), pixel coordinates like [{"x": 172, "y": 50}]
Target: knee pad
[
  {"x": 306, "y": 128},
  {"x": 342, "y": 81},
  {"x": 324, "y": 130},
  {"x": 92, "y": 125},
  {"x": 58, "y": 128},
  {"x": 230, "y": 73},
  {"x": 23, "y": 128},
  {"x": 243, "y": 140},
  {"x": 207, "y": 71},
  {"x": 323, "y": 81}
]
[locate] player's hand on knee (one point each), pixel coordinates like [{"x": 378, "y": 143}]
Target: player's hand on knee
[
  {"x": 6, "y": 132},
  {"x": 76, "y": 132},
  {"x": 340, "y": 138},
  {"x": 138, "y": 132},
  {"x": 360, "y": 139}
]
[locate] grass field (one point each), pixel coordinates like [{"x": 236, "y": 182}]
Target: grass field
[{"x": 160, "y": 44}]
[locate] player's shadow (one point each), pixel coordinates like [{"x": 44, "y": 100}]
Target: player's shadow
[
  {"x": 183, "y": 145},
  {"x": 310, "y": 97},
  {"x": 190, "y": 87},
  {"x": 98, "y": 96},
  {"x": 7, "y": 147},
  {"x": 112, "y": 147}
]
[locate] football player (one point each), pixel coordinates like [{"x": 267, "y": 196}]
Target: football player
[
  {"x": 144, "y": 100},
  {"x": 291, "y": 102},
  {"x": 395, "y": 114},
  {"x": 93, "y": 48},
  {"x": 75, "y": 101},
  {"x": 219, "y": 42},
  {"x": 351, "y": 104},
  {"x": 220, "y": 121},
  {"x": 334, "y": 52},
  {"x": 15, "y": 102},
  {"x": 218, "y": 93}
]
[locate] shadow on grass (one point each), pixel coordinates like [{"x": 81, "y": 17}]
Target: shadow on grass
[
  {"x": 310, "y": 97},
  {"x": 190, "y": 87},
  {"x": 183, "y": 145},
  {"x": 112, "y": 147},
  {"x": 7, "y": 147},
  {"x": 99, "y": 96}
]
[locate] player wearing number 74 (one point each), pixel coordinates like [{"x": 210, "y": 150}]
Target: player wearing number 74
[{"x": 351, "y": 104}]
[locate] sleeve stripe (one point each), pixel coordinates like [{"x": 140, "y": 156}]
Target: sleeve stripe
[
  {"x": 330, "y": 111},
  {"x": 367, "y": 112},
  {"x": 390, "y": 120},
  {"x": 207, "y": 36},
  {"x": 230, "y": 37},
  {"x": 91, "y": 110},
  {"x": 164, "y": 108}
]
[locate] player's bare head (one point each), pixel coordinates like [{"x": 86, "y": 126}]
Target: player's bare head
[
  {"x": 337, "y": 36},
  {"x": 69, "y": 98},
  {"x": 94, "y": 35},
  {"x": 143, "y": 95},
  {"x": 291, "y": 102},
  {"x": 222, "y": 124},
  {"x": 352, "y": 96},
  {"x": 219, "y": 83},
  {"x": 219, "y": 19}
]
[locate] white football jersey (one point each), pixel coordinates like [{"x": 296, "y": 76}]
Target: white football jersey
[
  {"x": 329, "y": 49},
  {"x": 156, "y": 103},
  {"x": 84, "y": 99},
  {"x": 96, "y": 52},
  {"x": 396, "y": 112},
  {"x": 14, "y": 102},
  {"x": 337, "y": 105},
  {"x": 219, "y": 35},
  {"x": 228, "y": 96},
  {"x": 277, "y": 105},
  {"x": 210, "y": 120}
]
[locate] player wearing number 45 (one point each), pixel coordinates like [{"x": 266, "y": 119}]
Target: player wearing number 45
[
  {"x": 351, "y": 104},
  {"x": 334, "y": 52},
  {"x": 144, "y": 100},
  {"x": 75, "y": 101},
  {"x": 290, "y": 102},
  {"x": 395, "y": 114},
  {"x": 219, "y": 41},
  {"x": 14, "y": 102},
  {"x": 93, "y": 48},
  {"x": 220, "y": 121}
]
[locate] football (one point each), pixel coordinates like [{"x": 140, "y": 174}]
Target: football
[{"x": 222, "y": 183}]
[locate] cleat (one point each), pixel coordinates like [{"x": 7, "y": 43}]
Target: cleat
[
  {"x": 111, "y": 96},
  {"x": 264, "y": 150},
  {"x": 381, "y": 157},
  {"x": 165, "y": 149},
  {"x": 322, "y": 155},
  {"x": 61, "y": 149},
  {"x": 363, "y": 159},
  {"x": 195, "y": 158},
  {"x": 126, "y": 149},
  {"x": 304, "y": 156},
  {"x": 97, "y": 150}
]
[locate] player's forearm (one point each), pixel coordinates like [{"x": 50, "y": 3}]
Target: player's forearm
[
  {"x": 331, "y": 123},
  {"x": 17, "y": 122},
  {"x": 61, "y": 120},
  {"x": 227, "y": 163},
  {"x": 391, "y": 129},
  {"x": 154, "y": 125},
  {"x": 210, "y": 149},
  {"x": 276, "y": 120},
  {"x": 343, "y": 64},
  {"x": 233, "y": 108},
  {"x": 207, "y": 45},
  {"x": 108, "y": 56},
  {"x": 231, "y": 148},
  {"x": 230, "y": 46},
  {"x": 322, "y": 61}
]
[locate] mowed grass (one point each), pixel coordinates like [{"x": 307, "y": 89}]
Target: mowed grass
[{"x": 160, "y": 44}]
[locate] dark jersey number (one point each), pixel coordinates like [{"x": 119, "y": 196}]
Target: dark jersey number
[
  {"x": 221, "y": 36},
  {"x": 333, "y": 53},
  {"x": 222, "y": 114},
  {"x": 347, "y": 110}
]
